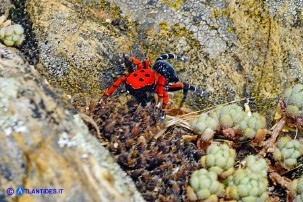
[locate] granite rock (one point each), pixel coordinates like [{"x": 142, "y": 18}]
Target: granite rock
[
  {"x": 43, "y": 145},
  {"x": 237, "y": 49}
]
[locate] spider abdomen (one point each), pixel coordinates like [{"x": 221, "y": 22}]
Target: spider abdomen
[{"x": 166, "y": 70}]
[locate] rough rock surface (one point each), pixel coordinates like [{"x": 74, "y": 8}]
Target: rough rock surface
[
  {"x": 43, "y": 145},
  {"x": 78, "y": 48},
  {"x": 236, "y": 48},
  {"x": 5, "y": 6}
]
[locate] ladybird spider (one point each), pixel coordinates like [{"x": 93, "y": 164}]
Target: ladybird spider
[{"x": 143, "y": 80}]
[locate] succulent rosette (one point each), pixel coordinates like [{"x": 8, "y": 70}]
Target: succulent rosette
[
  {"x": 205, "y": 126},
  {"x": 294, "y": 100},
  {"x": 230, "y": 115},
  {"x": 11, "y": 35},
  {"x": 252, "y": 126},
  {"x": 288, "y": 151},
  {"x": 297, "y": 188},
  {"x": 256, "y": 165},
  {"x": 219, "y": 159},
  {"x": 247, "y": 186},
  {"x": 204, "y": 185}
]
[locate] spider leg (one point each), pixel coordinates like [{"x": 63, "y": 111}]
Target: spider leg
[
  {"x": 136, "y": 62},
  {"x": 164, "y": 105},
  {"x": 186, "y": 87},
  {"x": 162, "y": 96},
  {"x": 161, "y": 100},
  {"x": 146, "y": 63},
  {"x": 171, "y": 56},
  {"x": 115, "y": 85}
]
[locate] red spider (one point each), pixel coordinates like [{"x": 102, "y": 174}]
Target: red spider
[{"x": 143, "y": 81}]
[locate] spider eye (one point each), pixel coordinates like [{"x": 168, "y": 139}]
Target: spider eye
[
  {"x": 135, "y": 74},
  {"x": 142, "y": 70},
  {"x": 147, "y": 75},
  {"x": 141, "y": 79}
]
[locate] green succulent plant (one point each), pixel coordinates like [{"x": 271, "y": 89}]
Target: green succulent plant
[
  {"x": 230, "y": 115},
  {"x": 297, "y": 188},
  {"x": 294, "y": 100},
  {"x": 219, "y": 159},
  {"x": 252, "y": 126},
  {"x": 247, "y": 186},
  {"x": 256, "y": 165},
  {"x": 205, "y": 126},
  {"x": 288, "y": 151},
  {"x": 11, "y": 35},
  {"x": 205, "y": 185}
]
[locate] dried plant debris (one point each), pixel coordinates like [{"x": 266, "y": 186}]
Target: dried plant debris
[{"x": 160, "y": 163}]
